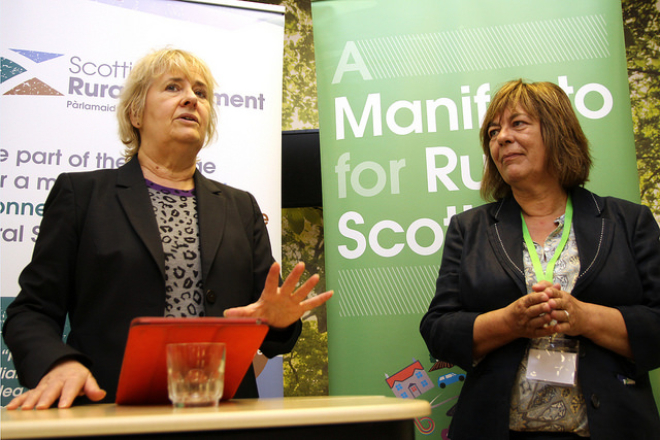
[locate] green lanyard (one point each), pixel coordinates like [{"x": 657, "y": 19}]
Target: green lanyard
[{"x": 550, "y": 268}]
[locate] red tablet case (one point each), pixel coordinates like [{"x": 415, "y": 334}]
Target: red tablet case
[{"x": 143, "y": 377}]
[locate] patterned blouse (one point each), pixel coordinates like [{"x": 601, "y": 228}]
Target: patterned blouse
[
  {"x": 538, "y": 406},
  {"x": 176, "y": 215}
]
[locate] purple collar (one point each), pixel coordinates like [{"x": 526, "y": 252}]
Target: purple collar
[{"x": 166, "y": 190}]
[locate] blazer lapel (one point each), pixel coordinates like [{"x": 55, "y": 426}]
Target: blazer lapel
[
  {"x": 505, "y": 236},
  {"x": 133, "y": 196},
  {"x": 593, "y": 233},
  {"x": 212, "y": 215}
]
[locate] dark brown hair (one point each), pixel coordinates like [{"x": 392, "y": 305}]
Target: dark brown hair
[{"x": 567, "y": 146}]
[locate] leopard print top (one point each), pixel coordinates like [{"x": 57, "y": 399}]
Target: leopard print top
[{"x": 176, "y": 215}]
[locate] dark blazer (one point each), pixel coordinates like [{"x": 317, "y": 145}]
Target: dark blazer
[
  {"x": 482, "y": 270},
  {"x": 99, "y": 259}
]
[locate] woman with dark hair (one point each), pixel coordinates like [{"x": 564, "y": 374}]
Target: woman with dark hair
[
  {"x": 548, "y": 297},
  {"x": 152, "y": 238}
]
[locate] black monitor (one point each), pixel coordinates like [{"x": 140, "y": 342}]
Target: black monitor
[{"x": 301, "y": 169}]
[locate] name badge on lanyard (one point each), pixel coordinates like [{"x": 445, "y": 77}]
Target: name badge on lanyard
[{"x": 551, "y": 359}]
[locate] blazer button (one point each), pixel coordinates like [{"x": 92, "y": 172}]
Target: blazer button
[
  {"x": 595, "y": 401},
  {"x": 210, "y": 297}
]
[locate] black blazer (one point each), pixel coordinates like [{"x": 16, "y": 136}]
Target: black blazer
[
  {"x": 482, "y": 270},
  {"x": 99, "y": 259}
]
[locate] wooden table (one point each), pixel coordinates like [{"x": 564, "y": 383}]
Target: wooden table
[{"x": 309, "y": 418}]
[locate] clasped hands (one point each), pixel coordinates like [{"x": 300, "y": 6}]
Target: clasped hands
[{"x": 545, "y": 311}]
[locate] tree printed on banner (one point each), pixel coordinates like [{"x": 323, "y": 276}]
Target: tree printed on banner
[
  {"x": 641, "y": 22},
  {"x": 306, "y": 367},
  {"x": 299, "y": 109}
]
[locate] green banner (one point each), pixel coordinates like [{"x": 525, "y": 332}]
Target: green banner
[{"x": 402, "y": 91}]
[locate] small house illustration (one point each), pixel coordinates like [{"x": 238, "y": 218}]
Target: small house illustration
[{"x": 410, "y": 382}]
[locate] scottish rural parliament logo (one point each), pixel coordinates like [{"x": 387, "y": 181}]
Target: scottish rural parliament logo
[
  {"x": 86, "y": 84},
  {"x": 19, "y": 65}
]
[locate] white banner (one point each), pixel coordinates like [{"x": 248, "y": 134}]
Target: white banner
[{"x": 63, "y": 66}]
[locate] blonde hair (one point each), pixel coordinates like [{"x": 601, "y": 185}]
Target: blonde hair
[
  {"x": 133, "y": 96},
  {"x": 567, "y": 147}
]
